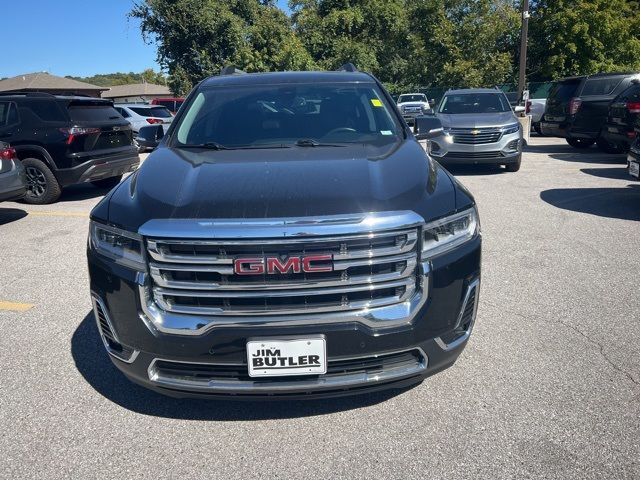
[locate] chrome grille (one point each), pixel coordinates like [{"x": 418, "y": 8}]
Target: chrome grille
[
  {"x": 475, "y": 136},
  {"x": 369, "y": 270}
]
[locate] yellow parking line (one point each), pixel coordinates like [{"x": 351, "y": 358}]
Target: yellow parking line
[
  {"x": 15, "y": 307},
  {"x": 44, "y": 213}
]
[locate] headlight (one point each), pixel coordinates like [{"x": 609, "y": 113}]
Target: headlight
[
  {"x": 511, "y": 129},
  {"x": 125, "y": 248},
  {"x": 447, "y": 233}
]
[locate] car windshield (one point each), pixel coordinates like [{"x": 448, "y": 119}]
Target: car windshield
[
  {"x": 412, "y": 98},
  {"x": 158, "y": 112},
  {"x": 474, "y": 103},
  {"x": 303, "y": 114}
]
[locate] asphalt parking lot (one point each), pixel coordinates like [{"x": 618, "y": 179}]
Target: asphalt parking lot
[{"x": 549, "y": 386}]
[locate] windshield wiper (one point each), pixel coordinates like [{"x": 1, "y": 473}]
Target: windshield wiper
[
  {"x": 209, "y": 145},
  {"x": 309, "y": 142},
  {"x": 219, "y": 146}
]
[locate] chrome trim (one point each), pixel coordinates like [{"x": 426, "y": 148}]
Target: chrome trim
[
  {"x": 465, "y": 336},
  {"x": 96, "y": 300},
  {"x": 372, "y": 317},
  {"x": 410, "y": 259},
  {"x": 312, "y": 384},
  {"x": 159, "y": 255},
  {"x": 280, "y": 227}
]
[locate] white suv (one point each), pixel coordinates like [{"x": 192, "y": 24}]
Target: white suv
[
  {"x": 141, "y": 114},
  {"x": 412, "y": 105}
]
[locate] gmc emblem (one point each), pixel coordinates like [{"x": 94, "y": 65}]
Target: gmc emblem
[{"x": 273, "y": 265}]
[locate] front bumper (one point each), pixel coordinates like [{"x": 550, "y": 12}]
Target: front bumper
[
  {"x": 506, "y": 151},
  {"x": 432, "y": 328}
]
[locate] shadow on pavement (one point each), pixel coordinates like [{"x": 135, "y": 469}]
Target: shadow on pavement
[
  {"x": 8, "y": 215},
  {"x": 622, "y": 203},
  {"x": 464, "y": 170},
  {"x": 94, "y": 365},
  {"x": 82, "y": 191},
  {"x": 595, "y": 157},
  {"x": 619, "y": 173}
]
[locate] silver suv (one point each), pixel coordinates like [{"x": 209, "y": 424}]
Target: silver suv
[{"x": 479, "y": 127}]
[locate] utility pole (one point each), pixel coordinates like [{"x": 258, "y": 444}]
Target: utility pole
[{"x": 524, "y": 32}]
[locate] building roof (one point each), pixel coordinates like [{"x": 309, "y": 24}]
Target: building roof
[
  {"x": 44, "y": 81},
  {"x": 136, "y": 90}
]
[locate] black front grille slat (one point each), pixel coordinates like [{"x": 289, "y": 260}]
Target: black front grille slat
[{"x": 239, "y": 372}]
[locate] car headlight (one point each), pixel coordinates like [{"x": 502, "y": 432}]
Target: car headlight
[
  {"x": 447, "y": 233},
  {"x": 124, "y": 248},
  {"x": 511, "y": 129}
]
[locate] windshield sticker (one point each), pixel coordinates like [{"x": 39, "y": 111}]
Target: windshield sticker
[
  {"x": 386, "y": 132},
  {"x": 376, "y": 102}
]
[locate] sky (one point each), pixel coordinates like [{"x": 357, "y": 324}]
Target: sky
[{"x": 73, "y": 37}]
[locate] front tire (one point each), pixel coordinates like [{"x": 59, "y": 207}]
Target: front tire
[
  {"x": 580, "y": 142},
  {"x": 538, "y": 129},
  {"x": 107, "y": 182},
  {"x": 42, "y": 186}
]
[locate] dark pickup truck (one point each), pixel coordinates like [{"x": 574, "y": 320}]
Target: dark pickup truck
[{"x": 289, "y": 238}]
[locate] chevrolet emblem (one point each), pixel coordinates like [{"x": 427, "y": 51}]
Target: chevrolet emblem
[{"x": 475, "y": 132}]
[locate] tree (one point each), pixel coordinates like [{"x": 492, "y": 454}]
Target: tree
[
  {"x": 577, "y": 37},
  {"x": 197, "y": 38}
]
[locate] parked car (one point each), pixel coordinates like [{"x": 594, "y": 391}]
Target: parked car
[
  {"x": 288, "y": 238},
  {"x": 13, "y": 180},
  {"x": 577, "y": 108},
  {"x": 624, "y": 112},
  {"x": 535, "y": 107},
  {"x": 412, "y": 105},
  {"x": 142, "y": 114},
  {"x": 172, "y": 103},
  {"x": 480, "y": 127},
  {"x": 64, "y": 140},
  {"x": 633, "y": 157}
]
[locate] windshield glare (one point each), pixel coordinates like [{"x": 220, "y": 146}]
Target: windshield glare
[
  {"x": 412, "y": 98},
  {"x": 283, "y": 114},
  {"x": 474, "y": 103}
]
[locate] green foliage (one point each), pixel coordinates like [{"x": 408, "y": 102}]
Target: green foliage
[
  {"x": 576, "y": 37},
  {"x": 112, "y": 79},
  {"x": 405, "y": 43}
]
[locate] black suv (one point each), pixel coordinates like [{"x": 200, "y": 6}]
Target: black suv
[
  {"x": 577, "y": 108},
  {"x": 624, "y": 112},
  {"x": 66, "y": 140},
  {"x": 288, "y": 237}
]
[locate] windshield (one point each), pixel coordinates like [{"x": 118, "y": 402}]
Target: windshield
[
  {"x": 474, "y": 103},
  {"x": 412, "y": 98},
  {"x": 285, "y": 114}
]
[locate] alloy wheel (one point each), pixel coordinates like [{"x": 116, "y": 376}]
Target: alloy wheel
[{"x": 36, "y": 182}]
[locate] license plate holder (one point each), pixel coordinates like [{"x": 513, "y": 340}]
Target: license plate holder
[
  {"x": 281, "y": 357},
  {"x": 634, "y": 169}
]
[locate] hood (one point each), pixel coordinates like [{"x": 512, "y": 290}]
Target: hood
[
  {"x": 272, "y": 183},
  {"x": 477, "y": 120}
]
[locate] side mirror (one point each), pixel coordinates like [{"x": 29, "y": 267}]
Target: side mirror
[
  {"x": 519, "y": 109},
  {"x": 150, "y": 136},
  {"x": 428, "y": 127}
]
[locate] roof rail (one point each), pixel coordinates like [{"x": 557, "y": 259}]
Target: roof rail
[
  {"x": 348, "y": 67},
  {"x": 231, "y": 70},
  {"x": 26, "y": 94}
]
